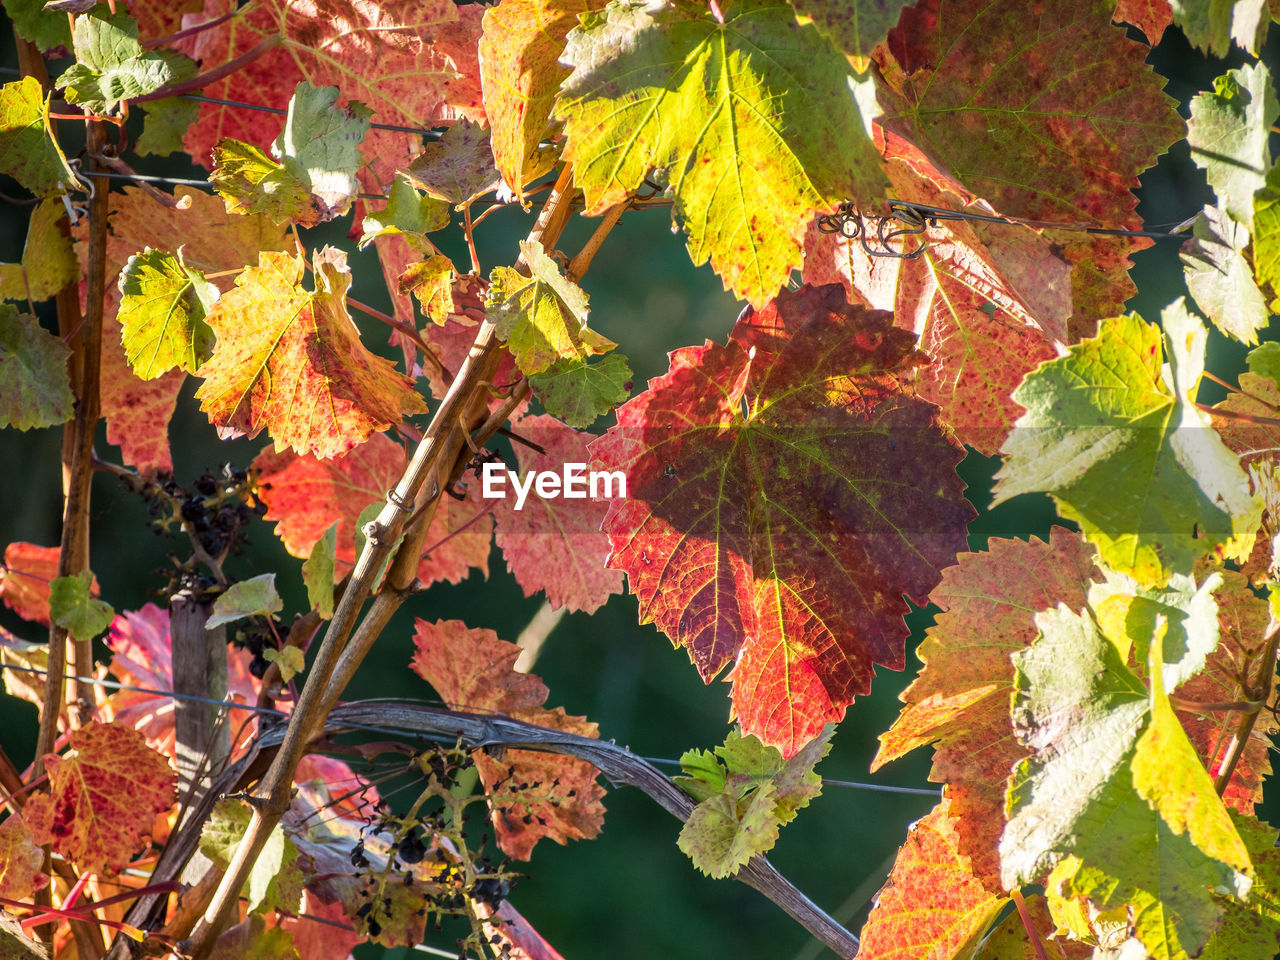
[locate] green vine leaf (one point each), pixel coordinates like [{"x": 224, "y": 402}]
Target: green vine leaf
[
  {"x": 256, "y": 596},
  {"x": 1213, "y": 26},
  {"x": 275, "y": 882},
  {"x": 578, "y": 392},
  {"x": 1228, "y": 133},
  {"x": 1112, "y": 416},
  {"x": 163, "y": 305},
  {"x": 408, "y": 213},
  {"x": 35, "y": 389},
  {"x": 73, "y": 607},
  {"x": 318, "y": 569},
  {"x": 111, "y": 65},
  {"x": 751, "y": 121}
]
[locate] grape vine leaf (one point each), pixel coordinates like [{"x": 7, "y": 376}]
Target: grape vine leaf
[
  {"x": 542, "y": 316},
  {"x": 1266, "y": 233},
  {"x": 854, "y": 26},
  {"x": 1228, "y": 133},
  {"x": 983, "y": 330},
  {"x": 520, "y": 73},
  {"x": 409, "y": 213},
  {"x": 767, "y": 523},
  {"x": 1107, "y": 417},
  {"x": 313, "y": 176},
  {"x": 73, "y": 607},
  {"x": 35, "y": 389},
  {"x": 27, "y": 152},
  {"x": 104, "y": 794},
  {"x": 305, "y": 496},
  {"x": 112, "y": 66},
  {"x": 745, "y": 792},
  {"x": 672, "y": 88},
  {"x": 1251, "y": 930},
  {"x": 1152, "y": 17},
  {"x": 1220, "y": 279},
  {"x": 21, "y": 861},
  {"x": 556, "y": 544},
  {"x": 25, "y": 577},
  {"x": 318, "y": 569},
  {"x": 578, "y": 392},
  {"x": 1213, "y": 26},
  {"x": 163, "y": 305},
  {"x": 458, "y": 167},
  {"x": 254, "y": 597},
  {"x": 45, "y": 28},
  {"x": 1088, "y": 802},
  {"x": 48, "y": 260},
  {"x": 412, "y": 61},
  {"x": 290, "y": 660},
  {"x": 532, "y": 795},
  {"x": 981, "y": 91},
  {"x": 291, "y": 360},
  {"x": 960, "y": 700},
  {"x": 167, "y": 121},
  {"x": 250, "y": 939},
  {"x": 275, "y": 883},
  {"x": 932, "y": 905},
  {"x": 431, "y": 281}
]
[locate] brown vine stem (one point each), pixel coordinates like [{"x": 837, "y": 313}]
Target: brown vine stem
[
  {"x": 1028, "y": 924},
  {"x": 270, "y": 799},
  {"x": 1262, "y": 691},
  {"x": 1237, "y": 415},
  {"x": 579, "y": 264}
]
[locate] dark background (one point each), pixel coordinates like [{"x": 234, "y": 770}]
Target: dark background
[{"x": 631, "y": 892}]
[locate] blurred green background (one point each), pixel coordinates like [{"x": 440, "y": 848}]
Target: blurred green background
[{"x": 629, "y": 893}]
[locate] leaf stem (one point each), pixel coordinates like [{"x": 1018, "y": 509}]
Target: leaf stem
[
  {"x": 1238, "y": 415},
  {"x": 1244, "y": 729},
  {"x": 1028, "y": 924},
  {"x": 390, "y": 321},
  {"x": 469, "y": 229}
]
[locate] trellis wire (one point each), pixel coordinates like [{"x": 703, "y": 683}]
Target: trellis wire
[{"x": 371, "y": 728}]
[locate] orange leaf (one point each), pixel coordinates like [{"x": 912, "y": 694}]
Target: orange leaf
[
  {"x": 104, "y": 795},
  {"x": 25, "y": 578},
  {"x": 531, "y": 794},
  {"x": 291, "y": 360},
  {"x": 20, "y": 861}
]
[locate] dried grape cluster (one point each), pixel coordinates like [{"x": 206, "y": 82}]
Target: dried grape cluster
[
  {"x": 214, "y": 512},
  {"x": 422, "y": 868}
]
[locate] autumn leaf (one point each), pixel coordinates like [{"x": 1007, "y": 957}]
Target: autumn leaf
[
  {"x": 541, "y": 316},
  {"x": 163, "y": 305},
  {"x": 750, "y": 151},
  {"x": 251, "y": 940},
  {"x": 556, "y": 544},
  {"x": 318, "y": 569},
  {"x": 1152, "y": 17},
  {"x": 745, "y": 792},
  {"x": 1228, "y": 133},
  {"x": 305, "y": 496},
  {"x": 1107, "y": 417},
  {"x": 854, "y": 26},
  {"x": 290, "y": 360},
  {"x": 457, "y": 168},
  {"x": 313, "y": 176},
  {"x": 21, "y": 861},
  {"x": 431, "y": 281},
  {"x": 532, "y": 795},
  {"x": 960, "y": 700},
  {"x": 1090, "y": 801},
  {"x": 1251, "y": 930},
  {"x": 933, "y": 905},
  {"x": 112, "y": 66},
  {"x": 35, "y": 389},
  {"x": 520, "y": 74},
  {"x": 25, "y": 578},
  {"x": 412, "y": 62},
  {"x": 767, "y": 522},
  {"x": 1022, "y": 111},
  {"x": 104, "y": 794},
  {"x": 27, "y": 152},
  {"x": 48, "y": 260}
]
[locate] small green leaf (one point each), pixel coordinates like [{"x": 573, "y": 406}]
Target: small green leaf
[
  {"x": 112, "y": 66},
  {"x": 1266, "y": 233},
  {"x": 408, "y": 213},
  {"x": 48, "y": 259},
  {"x": 35, "y": 388},
  {"x": 1228, "y": 133},
  {"x": 167, "y": 122},
  {"x": 248, "y": 598},
  {"x": 543, "y": 317},
  {"x": 720, "y": 837},
  {"x": 431, "y": 281},
  {"x": 45, "y": 28},
  {"x": 163, "y": 305},
  {"x": 317, "y": 572},
  {"x": 27, "y": 152},
  {"x": 1220, "y": 279},
  {"x": 578, "y": 392},
  {"x": 276, "y": 880},
  {"x": 73, "y": 607},
  {"x": 1264, "y": 360},
  {"x": 291, "y": 660},
  {"x": 251, "y": 182}
]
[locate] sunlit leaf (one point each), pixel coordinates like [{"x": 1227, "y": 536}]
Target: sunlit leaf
[
  {"x": 35, "y": 389},
  {"x": 163, "y": 305},
  {"x": 27, "y": 152},
  {"x": 111, "y": 65}
]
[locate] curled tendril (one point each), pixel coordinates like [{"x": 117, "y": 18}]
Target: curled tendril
[{"x": 852, "y": 224}]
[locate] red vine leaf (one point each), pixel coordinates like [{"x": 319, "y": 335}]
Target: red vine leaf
[
  {"x": 104, "y": 795},
  {"x": 784, "y": 493},
  {"x": 21, "y": 861},
  {"x": 1152, "y": 17},
  {"x": 555, "y": 544},
  {"x": 1019, "y": 104},
  {"x": 532, "y": 795},
  {"x": 291, "y": 360},
  {"x": 412, "y": 61},
  {"x": 25, "y": 577},
  {"x": 960, "y": 700},
  {"x": 933, "y": 906},
  {"x": 306, "y": 496}
]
